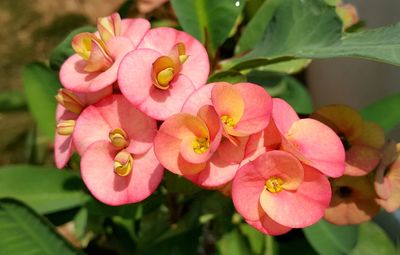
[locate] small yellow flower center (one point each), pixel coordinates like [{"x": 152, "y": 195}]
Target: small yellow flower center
[
  {"x": 69, "y": 101},
  {"x": 201, "y": 145},
  {"x": 118, "y": 138},
  {"x": 164, "y": 77},
  {"x": 65, "y": 127},
  {"x": 274, "y": 184},
  {"x": 123, "y": 163},
  {"x": 228, "y": 121}
]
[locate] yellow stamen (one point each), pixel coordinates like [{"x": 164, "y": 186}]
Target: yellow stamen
[
  {"x": 183, "y": 58},
  {"x": 228, "y": 121},
  {"x": 123, "y": 163},
  {"x": 65, "y": 127},
  {"x": 70, "y": 102},
  {"x": 201, "y": 145},
  {"x": 274, "y": 184},
  {"x": 118, "y": 138},
  {"x": 165, "y": 77}
]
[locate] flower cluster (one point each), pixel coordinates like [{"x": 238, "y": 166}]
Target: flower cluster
[{"x": 233, "y": 137}]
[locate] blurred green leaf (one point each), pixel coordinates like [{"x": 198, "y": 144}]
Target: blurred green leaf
[
  {"x": 255, "y": 29},
  {"x": 178, "y": 184},
  {"x": 373, "y": 240},
  {"x": 209, "y": 21},
  {"x": 233, "y": 243},
  {"x": 22, "y": 231},
  {"x": 45, "y": 189},
  {"x": 329, "y": 239},
  {"x": 40, "y": 87},
  {"x": 384, "y": 112},
  {"x": 289, "y": 67},
  {"x": 255, "y": 238},
  {"x": 81, "y": 222},
  {"x": 12, "y": 101},
  {"x": 230, "y": 76},
  {"x": 285, "y": 87},
  {"x": 64, "y": 49},
  {"x": 312, "y": 29}
]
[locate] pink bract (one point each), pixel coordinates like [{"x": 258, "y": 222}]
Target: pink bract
[{"x": 301, "y": 196}]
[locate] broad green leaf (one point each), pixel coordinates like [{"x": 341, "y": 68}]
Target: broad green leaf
[
  {"x": 210, "y": 21},
  {"x": 373, "y": 240},
  {"x": 288, "y": 67},
  {"x": 230, "y": 76},
  {"x": 256, "y": 27},
  {"x": 329, "y": 239},
  {"x": 384, "y": 112},
  {"x": 312, "y": 29},
  {"x": 45, "y": 189},
  {"x": 285, "y": 87},
  {"x": 40, "y": 87},
  {"x": 64, "y": 49},
  {"x": 233, "y": 243},
  {"x": 22, "y": 231},
  {"x": 255, "y": 238}
]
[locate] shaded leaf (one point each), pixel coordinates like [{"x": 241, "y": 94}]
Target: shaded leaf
[
  {"x": 22, "y": 231},
  {"x": 230, "y": 76},
  {"x": 45, "y": 189},
  {"x": 233, "y": 243},
  {"x": 255, "y": 238}
]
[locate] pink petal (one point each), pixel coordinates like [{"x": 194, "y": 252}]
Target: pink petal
[
  {"x": 63, "y": 147},
  {"x": 283, "y": 115},
  {"x": 215, "y": 174},
  {"x": 316, "y": 145},
  {"x": 360, "y": 160},
  {"x": 164, "y": 39},
  {"x": 135, "y": 29},
  {"x": 300, "y": 208},
  {"x": 198, "y": 98},
  {"x": 74, "y": 77},
  {"x": 267, "y": 225},
  {"x": 94, "y": 97},
  {"x": 135, "y": 82},
  {"x": 246, "y": 190},
  {"x": 97, "y": 170},
  {"x": 257, "y": 110},
  {"x": 232, "y": 153}
]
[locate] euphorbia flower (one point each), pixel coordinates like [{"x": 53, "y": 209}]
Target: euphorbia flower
[
  {"x": 98, "y": 55},
  {"x": 115, "y": 141},
  {"x": 275, "y": 193},
  {"x": 387, "y": 178},
  {"x": 312, "y": 142},
  {"x": 353, "y": 201},
  {"x": 243, "y": 108},
  {"x": 362, "y": 140},
  {"x": 160, "y": 75},
  {"x": 70, "y": 105}
]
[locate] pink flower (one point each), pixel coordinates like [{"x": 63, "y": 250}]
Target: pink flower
[
  {"x": 309, "y": 140},
  {"x": 115, "y": 141},
  {"x": 275, "y": 193},
  {"x": 362, "y": 140},
  {"x": 243, "y": 108},
  {"x": 69, "y": 107},
  {"x": 160, "y": 75},
  {"x": 98, "y": 55}
]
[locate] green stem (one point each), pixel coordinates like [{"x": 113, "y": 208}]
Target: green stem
[{"x": 270, "y": 248}]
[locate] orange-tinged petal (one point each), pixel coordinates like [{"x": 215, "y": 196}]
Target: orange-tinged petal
[
  {"x": 98, "y": 59},
  {"x": 82, "y": 44},
  {"x": 382, "y": 184},
  {"x": 342, "y": 119},
  {"x": 109, "y": 26},
  {"x": 361, "y": 159},
  {"x": 372, "y": 135},
  {"x": 228, "y": 103},
  {"x": 183, "y": 125}
]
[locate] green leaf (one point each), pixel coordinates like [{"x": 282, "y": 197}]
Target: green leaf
[
  {"x": 177, "y": 184},
  {"x": 329, "y": 239},
  {"x": 312, "y": 29},
  {"x": 22, "y": 231},
  {"x": 255, "y": 29},
  {"x": 288, "y": 67},
  {"x": 384, "y": 112},
  {"x": 285, "y": 87},
  {"x": 64, "y": 49},
  {"x": 230, "y": 76},
  {"x": 209, "y": 21},
  {"x": 46, "y": 190},
  {"x": 373, "y": 240},
  {"x": 12, "y": 101},
  {"x": 233, "y": 243},
  {"x": 255, "y": 238},
  {"x": 40, "y": 87}
]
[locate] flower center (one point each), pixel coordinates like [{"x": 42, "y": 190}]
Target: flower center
[
  {"x": 201, "y": 145},
  {"x": 227, "y": 120},
  {"x": 166, "y": 67},
  {"x": 345, "y": 142},
  {"x": 118, "y": 138},
  {"x": 274, "y": 184},
  {"x": 69, "y": 101},
  {"x": 123, "y": 163},
  {"x": 65, "y": 127}
]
